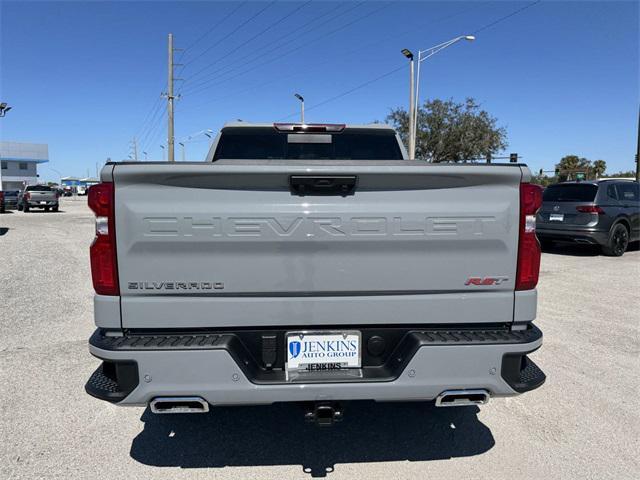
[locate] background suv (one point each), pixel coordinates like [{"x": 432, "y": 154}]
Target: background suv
[{"x": 600, "y": 212}]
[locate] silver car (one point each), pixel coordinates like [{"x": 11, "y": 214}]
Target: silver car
[{"x": 600, "y": 212}]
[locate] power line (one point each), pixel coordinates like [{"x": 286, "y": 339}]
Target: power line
[
  {"x": 515, "y": 12},
  {"x": 269, "y": 5},
  {"x": 285, "y": 54},
  {"x": 336, "y": 97},
  {"x": 154, "y": 105},
  {"x": 216, "y": 25},
  {"x": 358, "y": 87},
  {"x": 154, "y": 131},
  {"x": 332, "y": 58},
  {"x": 241, "y": 62},
  {"x": 149, "y": 118},
  {"x": 235, "y": 49},
  {"x": 217, "y": 74}
]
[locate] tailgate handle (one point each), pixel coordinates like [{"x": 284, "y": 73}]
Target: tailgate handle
[{"x": 322, "y": 185}]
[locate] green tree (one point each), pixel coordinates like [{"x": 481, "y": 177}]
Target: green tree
[
  {"x": 451, "y": 132},
  {"x": 569, "y": 165},
  {"x": 543, "y": 180},
  {"x": 598, "y": 168}
]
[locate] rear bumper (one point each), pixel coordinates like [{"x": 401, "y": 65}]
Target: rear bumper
[
  {"x": 215, "y": 367},
  {"x": 594, "y": 237},
  {"x": 36, "y": 204}
]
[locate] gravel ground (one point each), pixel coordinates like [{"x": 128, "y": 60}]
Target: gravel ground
[{"x": 583, "y": 423}]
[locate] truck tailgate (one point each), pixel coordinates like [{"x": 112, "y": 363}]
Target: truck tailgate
[{"x": 227, "y": 244}]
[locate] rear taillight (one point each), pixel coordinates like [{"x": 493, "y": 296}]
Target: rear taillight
[
  {"x": 27, "y": 196},
  {"x": 1, "y": 195},
  {"x": 528, "y": 246},
  {"x": 104, "y": 267},
  {"x": 590, "y": 209}
]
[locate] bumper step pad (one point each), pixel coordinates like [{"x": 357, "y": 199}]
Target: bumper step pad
[
  {"x": 113, "y": 381},
  {"x": 521, "y": 373}
]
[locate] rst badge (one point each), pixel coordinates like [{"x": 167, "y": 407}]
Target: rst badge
[
  {"x": 486, "y": 281},
  {"x": 316, "y": 351}
]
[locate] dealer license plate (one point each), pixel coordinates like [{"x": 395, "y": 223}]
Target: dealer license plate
[
  {"x": 322, "y": 351},
  {"x": 556, "y": 217},
  {"x": 43, "y": 203}
]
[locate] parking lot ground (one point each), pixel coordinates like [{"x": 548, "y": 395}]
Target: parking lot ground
[{"x": 583, "y": 423}]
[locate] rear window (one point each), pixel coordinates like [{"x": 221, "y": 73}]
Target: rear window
[
  {"x": 571, "y": 192},
  {"x": 39, "y": 188},
  {"x": 265, "y": 143}
]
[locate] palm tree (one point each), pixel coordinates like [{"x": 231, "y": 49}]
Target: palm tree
[{"x": 599, "y": 167}]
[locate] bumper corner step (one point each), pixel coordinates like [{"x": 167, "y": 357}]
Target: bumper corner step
[{"x": 113, "y": 381}]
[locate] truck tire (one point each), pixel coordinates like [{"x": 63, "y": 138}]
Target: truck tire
[
  {"x": 56, "y": 208},
  {"x": 618, "y": 241}
]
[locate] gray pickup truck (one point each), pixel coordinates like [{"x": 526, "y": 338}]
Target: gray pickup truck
[
  {"x": 39, "y": 196},
  {"x": 314, "y": 264}
]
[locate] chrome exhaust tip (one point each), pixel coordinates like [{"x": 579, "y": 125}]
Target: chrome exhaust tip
[
  {"x": 163, "y": 405},
  {"x": 461, "y": 398}
]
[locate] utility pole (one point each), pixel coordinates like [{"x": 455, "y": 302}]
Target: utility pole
[
  {"x": 638, "y": 150},
  {"x": 170, "y": 136},
  {"x": 134, "y": 145}
]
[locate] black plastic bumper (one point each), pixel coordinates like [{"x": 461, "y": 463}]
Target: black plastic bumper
[
  {"x": 248, "y": 350},
  {"x": 578, "y": 236},
  {"x": 113, "y": 381}
]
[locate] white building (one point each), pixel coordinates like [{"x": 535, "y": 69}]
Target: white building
[{"x": 19, "y": 164}]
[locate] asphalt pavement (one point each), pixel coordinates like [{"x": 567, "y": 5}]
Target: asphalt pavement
[{"x": 583, "y": 423}]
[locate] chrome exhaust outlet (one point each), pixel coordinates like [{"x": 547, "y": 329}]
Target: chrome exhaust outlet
[
  {"x": 460, "y": 398},
  {"x": 163, "y": 405}
]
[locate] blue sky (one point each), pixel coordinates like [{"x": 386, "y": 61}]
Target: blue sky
[{"x": 85, "y": 77}]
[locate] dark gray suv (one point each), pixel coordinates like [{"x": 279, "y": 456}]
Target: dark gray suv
[{"x": 601, "y": 212}]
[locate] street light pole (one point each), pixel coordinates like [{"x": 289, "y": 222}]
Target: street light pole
[
  {"x": 4, "y": 108},
  {"x": 182, "y": 145},
  {"x": 422, "y": 56},
  {"x": 299, "y": 97},
  {"x": 638, "y": 150},
  {"x": 411, "y": 125},
  {"x": 170, "y": 98},
  {"x": 162, "y": 147}
]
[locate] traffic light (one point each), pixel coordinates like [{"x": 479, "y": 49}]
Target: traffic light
[
  {"x": 540, "y": 174},
  {"x": 513, "y": 157},
  {"x": 557, "y": 172}
]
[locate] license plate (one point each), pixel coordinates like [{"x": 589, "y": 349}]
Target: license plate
[
  {"x": 556, "y": 217},
  {"x": 43, "y": 203},
  {"x": 322, "y": 351}
]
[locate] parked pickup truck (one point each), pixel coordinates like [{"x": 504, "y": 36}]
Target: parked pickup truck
[
  {"x": 10, "y": 199},
  {"x": 39, "y": 196},
  {"x": 315, "y": 264}
]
